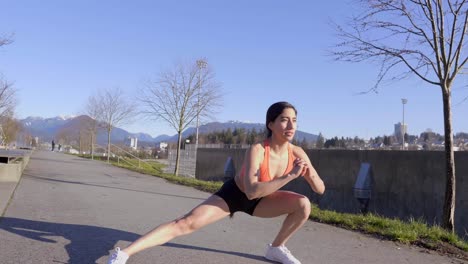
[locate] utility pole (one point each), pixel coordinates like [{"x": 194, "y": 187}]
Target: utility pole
[
  {"x": 201, "y": 63},
  {"x": 403, "y": 132}
]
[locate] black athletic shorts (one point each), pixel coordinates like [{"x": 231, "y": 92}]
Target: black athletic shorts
[{"x": 236, "y": 199}]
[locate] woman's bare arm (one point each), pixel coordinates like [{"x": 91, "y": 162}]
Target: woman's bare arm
[{"x": 309, "y": 173}]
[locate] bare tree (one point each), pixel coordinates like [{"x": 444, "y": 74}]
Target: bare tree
[
  {"x": 181, "y": 95},
  {"x": 423, "y": 38},
  {"x": 7, "y": 97},
  {"x": 9, "y": 125},
  {"x": 65, "y": 136},
  {"x": 92, "y": 110},
  {"x": 10, "y": 128},
  {"x": 114, "y": 110},
  {"x": 7, "y": 92},
  {"x": 76, "y": 134}
]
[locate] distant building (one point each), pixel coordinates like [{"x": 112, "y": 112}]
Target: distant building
[
  {"x": 162, "y": 146},
  {"x": 131, "y": 142},
  {"x": 400, "y": 131}
]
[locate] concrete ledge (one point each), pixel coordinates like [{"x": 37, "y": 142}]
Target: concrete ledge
[
  {"x": 25, "y": 161},
  {"x": 6, "y": 191},
  {"x": 10, "y": 174}
]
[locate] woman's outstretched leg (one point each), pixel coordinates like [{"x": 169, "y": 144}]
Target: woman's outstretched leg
[
  {"x": 211, "y": 210},
  {"x": 297, "y": 208}
]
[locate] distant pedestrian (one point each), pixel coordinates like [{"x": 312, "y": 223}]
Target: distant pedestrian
[
  {"x": 268, "y": 166},
  {"x": 59, "y": 147},
  {"x": 53, "y": 145}
]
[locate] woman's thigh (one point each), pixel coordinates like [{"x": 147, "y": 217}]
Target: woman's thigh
[
  {"x": 211, "y": 210},
  {"x": 280, "y": 203}
]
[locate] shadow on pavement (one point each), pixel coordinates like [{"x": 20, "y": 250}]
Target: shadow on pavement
[
  {"x": 239, "y": 254},
  {"x": 26, "y": 175},
  {"x": 87, "y": 243},
  {"x": 53, "y": 160}
]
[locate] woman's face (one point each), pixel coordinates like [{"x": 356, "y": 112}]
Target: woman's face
[{"x": 284, "y": 125}]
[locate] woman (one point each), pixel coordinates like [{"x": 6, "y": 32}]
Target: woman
[{"x": 268, "y": 166}]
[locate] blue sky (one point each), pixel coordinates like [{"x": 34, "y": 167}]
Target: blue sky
[{"x": 261, "y": 52}]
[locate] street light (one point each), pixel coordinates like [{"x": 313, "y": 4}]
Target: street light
[
  {"x": 403, "y": 102},
  {"x": 201, "y": 63}
]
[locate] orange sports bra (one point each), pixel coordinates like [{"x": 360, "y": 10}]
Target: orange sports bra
[{"x": 265, "y": 166}]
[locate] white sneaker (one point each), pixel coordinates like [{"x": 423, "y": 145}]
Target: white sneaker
[
  {"x": 118, "y": 257},
  {"x": 280, "y": 254}
]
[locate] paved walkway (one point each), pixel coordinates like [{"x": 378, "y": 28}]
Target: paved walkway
[{"x": 71, "y": 210}]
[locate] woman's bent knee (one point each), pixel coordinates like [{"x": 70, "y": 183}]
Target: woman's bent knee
[
  {"x": 185, "y": 225},
  {"x": 304, "y": 206}
]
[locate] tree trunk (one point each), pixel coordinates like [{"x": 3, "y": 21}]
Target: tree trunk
[
  {"x": 450, "y": 187},
  {"x": 108, "y": 145},
  {"x": 92, "y": 145},
  {"x": 81, "y": 150},
  {"x": 179, "y": 139}
]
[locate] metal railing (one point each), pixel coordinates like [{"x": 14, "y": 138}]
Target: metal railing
[{"x": 121, "y": 157}]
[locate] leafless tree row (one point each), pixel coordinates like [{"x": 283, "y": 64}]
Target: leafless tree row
[
  {"x": 8, "y": 101},
  {"x": 177, "y": 97}
]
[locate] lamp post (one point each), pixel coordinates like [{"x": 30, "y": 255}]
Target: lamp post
[
  {"x": 403, "y": 102},
  {"x": 201, "y": 63}
]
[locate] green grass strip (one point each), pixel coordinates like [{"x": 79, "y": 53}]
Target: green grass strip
[
  {"x": 156, "y": 169},
  {"x": 411, "y": 232}
]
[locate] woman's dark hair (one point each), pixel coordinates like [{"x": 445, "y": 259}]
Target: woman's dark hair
[{"x": 274, "y": 111}]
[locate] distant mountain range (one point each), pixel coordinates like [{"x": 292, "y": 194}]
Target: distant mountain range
[{"x": 49, "y": 128}]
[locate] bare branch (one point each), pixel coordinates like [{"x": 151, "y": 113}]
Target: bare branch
[
  {"x": 422, "y": 35},
  {"x": 177, "y": 98},
  {"x": 8, "y": 99},
  {"x": 462, "y": 101},
  {"x": 458, "y": 68},
  {"x": 412, "y": 32},
  {"x": 6, "y": 40},
  {"x": 10, "y": 128}
]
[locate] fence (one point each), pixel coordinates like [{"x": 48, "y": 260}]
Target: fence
[
  {"x": 121, "y": 155},
  {"x": 187, "y": 161},
  {"x": 188, "y": 157}
]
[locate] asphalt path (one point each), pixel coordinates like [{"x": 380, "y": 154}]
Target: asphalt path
[{"x": 72, "y": 210}]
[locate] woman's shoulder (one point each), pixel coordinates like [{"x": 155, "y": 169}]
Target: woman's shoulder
[
  {"x": 297, "y": 151},
  {"x": 255, "y": 153},
  {"x": 258, "y": 146}
]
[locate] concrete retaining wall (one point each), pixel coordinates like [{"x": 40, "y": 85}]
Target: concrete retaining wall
[
  {"x": 210, "y": 162},
  {"x": 11, "y": 172},
  {"x": 407, "y": 184},
  {"x": 187, "y": 162}
]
